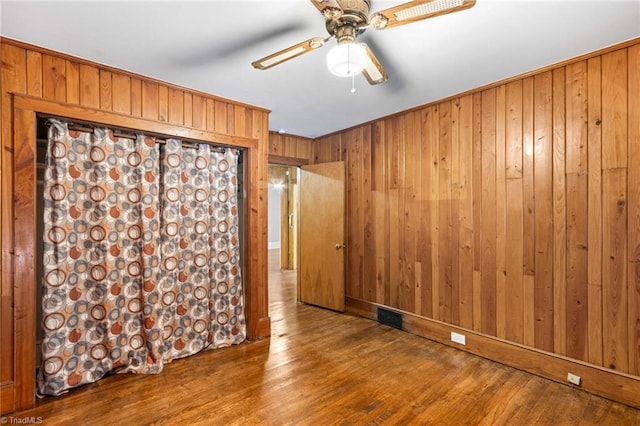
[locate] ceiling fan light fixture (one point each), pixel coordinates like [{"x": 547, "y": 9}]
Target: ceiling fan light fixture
[{"x": 346, "y": 59}]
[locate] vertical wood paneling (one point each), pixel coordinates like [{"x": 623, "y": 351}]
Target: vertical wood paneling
[
  {"x": 355, "y": 237},
  {"x": 231, "y": 125},
  {"x": 576, "y": 326},
  {"x": 199, "y": 112},
  {"x": 465, "y": 118},
  {"x": 559, "y": 214},
  {"x": 594, "y": 208},
  {"x": 501, "y": 216},
  {"x": 477, "y": 177},
  {"x": 614, "y": 269},
  {"x": 220, "y": 117},
  {"x": 89, "y": 86},
  {"x": 380, "y": 208},
  {"x": 528, "y": 191},
  {"x": 393, "y": 156},
  {"x": 290, "y": 146},
  {"x": 489, "y": 233},
  {"x": 634, "y": 211},
  {"x": 106, "y": 91},
  {"x": 577, "y": 103},
  {"x": 403, "y": 297},
  {"x": 150, "y": 101},
  {"x": 188, "y": 112},
  {"x": 516, "y": 233},
  {"x": 410, "y": 213},
  {"x": 210, "y": 115},
  {"x": 514, "y": 309},
  {"x": 136, "y": 97},
  {"x": 248, "y": 126},
  {"x": 577, "y": 209},
  {"x": 369, "y": 228},
  {"x": 434, "y": 189},
  {"x": 614, "y": 115},
  {"x": 543, "y": 207},
  {"x": 210, "y": 123},
  {"x": 176, "y": 106},
  {"x": 121, "y": 93},
  {"x": 239, "y": 116},
  {"x": 34, "y": 73},
  {"x": 73, "y": 82},
  {"x": 477, "y": 210},
  {"x": 454, "y": 246},
  {"x": 54, "y": 78},
  {"x": 163, "y": 103},
  {"x": 528, "y": 302},
  {"x": 444, "y": 213},
  {"x": 424, "y": 254},
  {"x": 614, "y": 211}
]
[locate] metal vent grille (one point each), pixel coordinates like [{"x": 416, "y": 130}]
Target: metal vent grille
[{"x": 390, "y": 318}]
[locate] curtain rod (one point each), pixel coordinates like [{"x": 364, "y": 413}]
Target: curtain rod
[{"x": 131, "y": 136}]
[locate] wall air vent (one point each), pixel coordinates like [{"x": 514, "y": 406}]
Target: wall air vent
[{"x": 390, "y": 318}]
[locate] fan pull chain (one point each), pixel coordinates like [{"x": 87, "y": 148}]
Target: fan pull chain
[{"x": 353, "y": 83}]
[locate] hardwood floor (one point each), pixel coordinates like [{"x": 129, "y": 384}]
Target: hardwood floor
[{"x": 319, "y": 368}]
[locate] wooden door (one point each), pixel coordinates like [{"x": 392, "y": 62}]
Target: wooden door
[{"x": 321, "y": 279}]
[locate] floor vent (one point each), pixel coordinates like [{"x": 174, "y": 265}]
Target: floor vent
[{"x": 390, "y": 318}]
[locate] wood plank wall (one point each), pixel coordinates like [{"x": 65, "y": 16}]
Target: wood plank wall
[
  {"x": 284, "y": 146},
  {"x": 513, "y": 210},
  {"x": 44, "y": 74}
]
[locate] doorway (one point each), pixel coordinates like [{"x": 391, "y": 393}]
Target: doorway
[
  {"x": 307, "y": 211},
  {"x": 284, "y": 192},
  {"x": 283, "y": 221}
]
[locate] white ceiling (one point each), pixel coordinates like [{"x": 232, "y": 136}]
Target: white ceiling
[{"x": 209, "y": 46}]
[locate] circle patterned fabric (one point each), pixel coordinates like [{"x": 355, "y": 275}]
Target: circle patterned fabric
[
  {"x": 141, "y": 255},
  {"x": 200, "y": 278}
]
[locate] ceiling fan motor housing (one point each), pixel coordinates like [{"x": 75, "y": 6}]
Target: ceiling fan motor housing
[{"x": 346, "y": 26}]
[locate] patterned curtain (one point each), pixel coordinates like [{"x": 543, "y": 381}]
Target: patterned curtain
[
  {"x": 200, "y": 279},
  {"x": 133, "y": 275}
]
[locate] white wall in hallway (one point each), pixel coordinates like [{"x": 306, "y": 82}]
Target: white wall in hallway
[{"x": 274, "y": 217}]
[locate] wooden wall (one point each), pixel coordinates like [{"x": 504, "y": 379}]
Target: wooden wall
[
  {"x": 75, "y": 86},
  {"x": 290, "y": 149},
  {"x": 512, "y": 211}
]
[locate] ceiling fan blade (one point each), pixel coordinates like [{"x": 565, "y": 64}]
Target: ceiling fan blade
[
  {"x": 373, "y": 71},
  {"x": 416, "y": 10},
  {"x": 289, "y": 53}
]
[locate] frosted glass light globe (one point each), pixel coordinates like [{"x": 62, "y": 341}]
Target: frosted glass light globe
[{"x": 346, "y": 59}]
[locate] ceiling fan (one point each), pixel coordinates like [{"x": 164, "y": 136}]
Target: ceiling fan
[{"x": 346, "y": 20}]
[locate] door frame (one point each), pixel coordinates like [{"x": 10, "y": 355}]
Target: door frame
[{"x": 281, "y": 161}]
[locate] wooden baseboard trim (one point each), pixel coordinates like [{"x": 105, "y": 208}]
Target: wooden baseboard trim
[{"x": 600, "y": 381}]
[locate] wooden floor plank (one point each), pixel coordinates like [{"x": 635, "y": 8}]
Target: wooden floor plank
[{"x": 320, "y": 368}]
